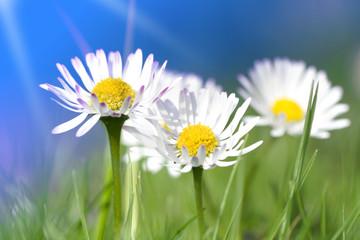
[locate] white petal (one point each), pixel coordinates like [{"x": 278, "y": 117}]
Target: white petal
[
  {"x": 170, "y": 115},
  {"x": 336, "y": 124},
  {"x": 236, "y": 120},
  {"x": 125, "y": 105},
  {"x": 69, "y": 124},
  {"x": 88, "y": 125},
  {"x": 225, "y": 163},
  {"x": 63, "y": 70},
  {"x": 320, "y": 134},
  {"x": 139, "y": 96},
  {"x": 95, "y": 101},
  {"x": 80, "y": 69},
  {"x": 93, "y": 63},
  {"x": 185, "y": 154},
  {"x": 68, "y": 108},
  {"x": 204, "y": 98},
  {"x": 132, "y": 69},
  {"x": 278, "y": 131},
  {"x": 251, "y": 147},
  {"x": 245, "y": 129},
  {"x": 195, "y": 162},
  {"x": 103, "y": 66},
  {"x": 201, "y": 154},
  {"x": 174, "y": 172},
  {"x": 187, "y": 168},
  {"x": 153, "y": 164},
  {"x": 147, "y": 70},
  {"x": 134, "y": 157},
  {"x": 85, "y": 105},
  {"x": 115, "y": 64}
]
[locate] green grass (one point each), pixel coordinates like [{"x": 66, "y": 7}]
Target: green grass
[{"x": 262, "y": 197}]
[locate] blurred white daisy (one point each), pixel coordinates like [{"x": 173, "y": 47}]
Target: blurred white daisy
[
  {"x": 280, "y": 92},
  {"x": 110, "y": 91},
  {"x": 156, "y": 161},
  {"x": 191, "y": 81},
  {"x": 197, "y": 132}
]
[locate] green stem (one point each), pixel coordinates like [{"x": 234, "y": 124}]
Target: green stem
[
  {"x": 113, "y": 127},
  {"x": 197, "y": 174}
]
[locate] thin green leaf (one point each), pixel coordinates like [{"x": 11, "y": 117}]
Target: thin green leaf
[
  {"x": 232, "y": 219},
  {"x": 308, "y": 168},
  {"x": 179, "y": 232},
  {"x": 80, "y": 208},
  {"x": 298, "y": 166},
  {"x": 143, "y": 211},
  {"x": 130, "y": 195},
  {"x": 227, "y": 190},
  {"x": 354, "y": 215}
]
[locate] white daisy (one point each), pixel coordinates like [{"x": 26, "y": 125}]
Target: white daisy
[
  {"x": 280, "y": 92},
  {"x": 191, "y": 81},
  {"x": 110, "y": 91},
  {"x": 197, "y": 131},
  {"x": 156, "y": 161}
]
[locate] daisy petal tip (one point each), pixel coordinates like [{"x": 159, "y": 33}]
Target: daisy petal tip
[
  {"x": 79, "y": 134},
  {"x": 44, "y": 86},
  {"x": 58, "y": 65},
  {"x": 150, "y": 57},
  {"x": 256, "y": 119},
  {"x": 100, "y": 51},
  {"x": 56, "y": 131},
  {"x": 138, "y": 51},
  {"x": 348, "y": 123}
]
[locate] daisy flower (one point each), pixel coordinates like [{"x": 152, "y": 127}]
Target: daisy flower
[
  {"x": 197, "y": 132},
  {"x": 280, "y": 92},
  {"x": 110, "y": 91},
  {"x": 156, "y": 161},
  {"x": 113, "y": 95}
]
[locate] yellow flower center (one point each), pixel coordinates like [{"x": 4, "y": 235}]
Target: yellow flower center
[
  {"x": 195, "y": 135},
  {"x": 113, "y": 92},
  {"x": 291, "y": 109}
]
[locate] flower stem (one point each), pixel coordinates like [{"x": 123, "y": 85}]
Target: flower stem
[
  {"x": 113, "y": 127},
  {"x": 197, "y": 174}
]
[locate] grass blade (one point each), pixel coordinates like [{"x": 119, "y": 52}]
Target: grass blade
[
  {"x": 227, "y": 190},
  {"x": 179, "y": 232},
  {"x": 233, "y": 218},
  {"x": 295, "y": 182},
  {"x": 349, "y": 222},
  {"x": 308, "y": 168},
  {"x": 80, "y": 208}
]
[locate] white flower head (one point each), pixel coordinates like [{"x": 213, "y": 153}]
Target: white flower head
[
  {"x": 280, "y": 92},
  {"x": 156, "y": 161},
  {"x": 110, "y": 91},
  {"x": 197, "y": 131},
  {"x": 191, "y": 81}
]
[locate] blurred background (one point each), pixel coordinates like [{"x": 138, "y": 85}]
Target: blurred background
[{"x": 219, "y": 39}]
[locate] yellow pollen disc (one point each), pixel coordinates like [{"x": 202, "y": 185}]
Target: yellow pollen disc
[
  {"x": 292, "y": 110},
  {"x": 113, "y": 92},
  {"x": 195, "y": 135}
]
